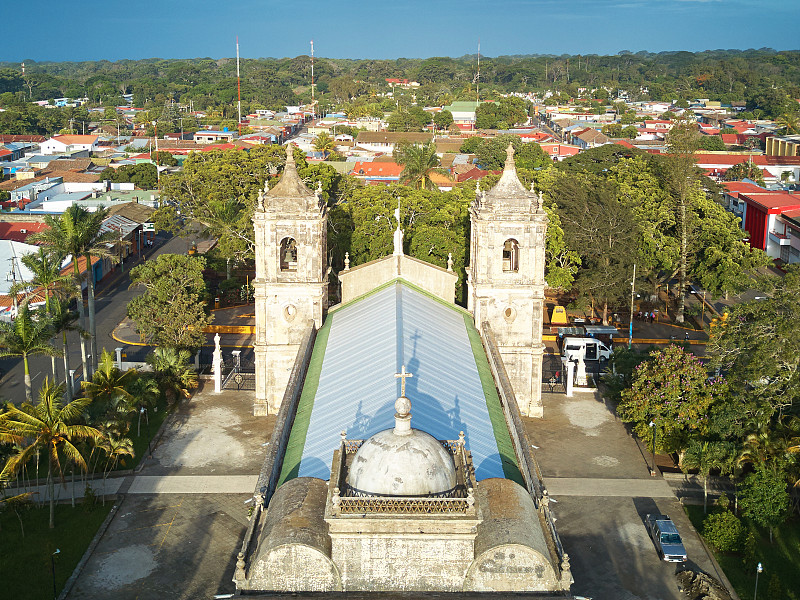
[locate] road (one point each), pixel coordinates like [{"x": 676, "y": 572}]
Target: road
[{"x": 111, "y": 304}]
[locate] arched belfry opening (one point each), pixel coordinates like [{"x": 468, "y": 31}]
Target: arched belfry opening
[
  {"x": 288, "y": 254},
  {"x": 511, "y": 256}
]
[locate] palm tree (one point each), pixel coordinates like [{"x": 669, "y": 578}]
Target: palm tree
[
  {"x": 46, "y": 268},
  {"x": 144, "y": 394},
  {"x": 48, "y": 426},
  {"x": 25, "y": 336},
  {"x": 789, "y": 123},
  {"x": 115, "y": 448},
  {"x": 418, "y": 161},
  {"x": 65, "y": 320},
  {"x": 705, "y": 457},
  {"x": 174, "y": 375},
  {"x": 324, "y": 143},
  {"x": 108, "y": 384},
  {"x": 76, "y": 232}
]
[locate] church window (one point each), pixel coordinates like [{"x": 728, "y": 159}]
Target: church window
[
  {"x": 510, "y": 256},
  {"x": 288, "y": 254}
]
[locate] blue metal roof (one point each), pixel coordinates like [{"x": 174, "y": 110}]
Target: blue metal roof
[{"x": 369, "y": 340}]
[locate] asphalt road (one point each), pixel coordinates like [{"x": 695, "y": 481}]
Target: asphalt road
[{"x": 111, "y": 303}]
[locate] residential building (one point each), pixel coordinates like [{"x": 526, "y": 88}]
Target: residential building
[
  {"x": 386, "y": 141},
  {"x": 59, "y": 144}
]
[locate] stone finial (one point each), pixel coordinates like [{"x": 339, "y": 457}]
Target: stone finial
[
  {"x": 510, "y": 154},
  {"x": 343, "y": 435},
  {"x": 533, "y": 187},
  {"x": 450, "y": 261},
  {"x": 319, "y": 187},
  {"x": 239, "y": 574},
  {"x": 290, "y": 156},
  {"x": 346, "y": 261},
  {"x": 398, "y": 236},
  {"x": 565, "y": 567},
  {"x": 470, "y": 496},
  {"x": 261, "y": 199},
  {"x": 461, "y": 438},
  {"x": 541, "y": 199},
  {"x": 545, "y": 501}
]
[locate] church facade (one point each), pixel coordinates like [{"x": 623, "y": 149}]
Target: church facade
[{"x": 354, "y": 495}]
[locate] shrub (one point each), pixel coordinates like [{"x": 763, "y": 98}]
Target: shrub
[
  {"x": 723, "y": 530},
  {"x": 775, "y": 590}
]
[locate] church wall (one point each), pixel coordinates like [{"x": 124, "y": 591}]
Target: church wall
[
  {"x": 511, "y": 568},
  {"x": 402, "y": 562},
  {"x": 294, "y": 568},
  {"x": 362, "y": 279}
]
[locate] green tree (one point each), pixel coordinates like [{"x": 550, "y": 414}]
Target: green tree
[
  {"x": 723, "y": 530},
  {"x": 108, "y": 386},
  {"x": 172, "y": 372},
  {"x": 144, "y": 394},
  {"x": 764, "y": 499},
  {"x": 712, "y": 143},
  {"x": 144, "y": 175},
  {"x": 324, "y": 143},
  {"x": 172, "y": 310},
  {"x": 673, "y": 391},
  {"x": 160, "y": 157},
  {"x": 491, "y": 153},
  {"x": 419, "y": 161},
  {"x": 706, "y": 456},
  {"x": 682, "y": 141},
  {"x": 757, "y": 345},
  {"x": 443, "y": 119},
  {"x": 603, "y": 232},
  {"x": 64, "y": 321},
  {"x": 48, "y": 426},
  {"x": 27, "y": 335},
  {"x": 509, "y": 111},
  {"x": 745, "y": 170}
]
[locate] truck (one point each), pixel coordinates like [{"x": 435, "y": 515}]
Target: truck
[
  {"x": 666, "y": 538},
  {"x": 595, "y": 349}
]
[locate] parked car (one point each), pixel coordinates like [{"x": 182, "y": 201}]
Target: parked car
[
  {"x": 666, "y": 538},
  {"x": 595, "y": 349}
]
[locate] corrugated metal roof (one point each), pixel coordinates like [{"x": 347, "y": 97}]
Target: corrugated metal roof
[{"x": 368, "y": 342}]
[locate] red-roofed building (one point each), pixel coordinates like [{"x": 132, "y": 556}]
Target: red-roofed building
[
  {"x": 766, "y": 217},
  {"x": 19, "y": 232},
  {"x": 560, "y": 151},
  {"x": 475, "y": 174},
  {"x": 377, "y": 173}
]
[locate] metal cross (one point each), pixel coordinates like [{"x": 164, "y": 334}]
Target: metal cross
[{"x": 402, "y": 375}]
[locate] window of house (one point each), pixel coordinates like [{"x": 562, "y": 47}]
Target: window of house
[
  {"x": 510, "y": 256},
  {"x": 288, "y": 254}
]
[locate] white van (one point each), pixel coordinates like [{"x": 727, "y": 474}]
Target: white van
[{"x": 595, "y": 349}]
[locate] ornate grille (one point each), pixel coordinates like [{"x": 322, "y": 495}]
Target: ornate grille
[{"x": 400, "y": 505}]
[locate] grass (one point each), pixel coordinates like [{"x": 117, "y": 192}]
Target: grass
[
  {"x": 780, "y": 558},
  {"x": 25, "y": 561},
  {"x": 142, "y": 442}
]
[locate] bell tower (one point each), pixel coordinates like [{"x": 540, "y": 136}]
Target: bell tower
[
  {"x": 290, "y": 223},
  {"x": 506, "y": 279}
]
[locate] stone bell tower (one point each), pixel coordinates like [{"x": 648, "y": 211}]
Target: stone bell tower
[
  {"x": 291, "y": 287},
  {"x": 506, "y": 279}
]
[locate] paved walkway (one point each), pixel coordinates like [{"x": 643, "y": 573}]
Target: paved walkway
[
  {"x": 193, "y": 484},
  {"x": 623, "y": 488}
]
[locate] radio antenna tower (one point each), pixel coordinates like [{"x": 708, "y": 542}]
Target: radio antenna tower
[
  {"x": 478, "y": 76},
  {"x": 313, "y": 105},
  {"x": 239, "y": 86}
]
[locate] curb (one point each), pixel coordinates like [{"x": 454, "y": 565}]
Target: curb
[{"x": 90, "y": 550}]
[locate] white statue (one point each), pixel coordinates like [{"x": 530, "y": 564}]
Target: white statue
[{"x": 398, "y": 233}]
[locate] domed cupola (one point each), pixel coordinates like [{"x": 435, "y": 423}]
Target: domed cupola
[{"x": 402, "y": 461}]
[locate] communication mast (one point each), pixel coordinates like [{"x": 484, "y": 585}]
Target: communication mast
[
  {"x": 313, "y": 104},
  {"x": 239, "y": 86},
  {"x": 478, "y": 77}
]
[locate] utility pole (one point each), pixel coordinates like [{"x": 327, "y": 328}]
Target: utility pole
[
  {"x": 238, "y": 85},
  {"x": 478, "y": 77},
  {"x": 633, "y": 291}
]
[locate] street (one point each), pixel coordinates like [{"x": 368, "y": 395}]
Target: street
[{"x": 111, "y": 305}]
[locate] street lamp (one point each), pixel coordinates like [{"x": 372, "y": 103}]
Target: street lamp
[
  {"x": 759, "y": 569},
  {"x": 653, "y": 426},
  {"x": 53, "y": 571},
  {"x": 633, "y": 291}
]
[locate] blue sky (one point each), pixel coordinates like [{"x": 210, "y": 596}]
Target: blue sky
[{"x": 113, "y": 30}]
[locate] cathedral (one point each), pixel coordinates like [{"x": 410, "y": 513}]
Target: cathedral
[{"x": 399, "y": 460}]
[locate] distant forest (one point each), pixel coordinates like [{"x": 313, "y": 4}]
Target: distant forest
[{"x": 765, "y": 79}]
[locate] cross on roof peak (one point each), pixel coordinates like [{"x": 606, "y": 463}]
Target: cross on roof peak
[{"x": 402, "y": 375}]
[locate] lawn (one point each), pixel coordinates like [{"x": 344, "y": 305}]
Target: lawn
[
  {"x": 780, "y": 559},
  {"x": 25, "y": 561},
  {"x": 142, "y": 442}
]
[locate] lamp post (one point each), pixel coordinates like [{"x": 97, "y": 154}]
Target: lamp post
[
  {"x": 630, "y": 325},
  {"x": 653, "y": 427},
  {"x": 759, "y": 569},
  {"x": 53, "y": 571}
]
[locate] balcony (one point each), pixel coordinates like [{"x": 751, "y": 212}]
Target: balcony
[{"x": 780, "y": 238}]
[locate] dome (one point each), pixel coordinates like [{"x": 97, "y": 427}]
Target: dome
[{"x": 402, "y": 461}]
